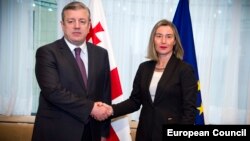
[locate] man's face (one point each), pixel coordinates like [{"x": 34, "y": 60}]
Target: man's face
[{"x": 76, "y": 25}]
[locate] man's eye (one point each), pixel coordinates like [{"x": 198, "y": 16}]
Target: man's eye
[
  {"x": 83, "y": 22},
  {"x": 70, "y": 21}
]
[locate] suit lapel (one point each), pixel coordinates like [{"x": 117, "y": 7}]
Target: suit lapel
[
  {"x": 166, "y": 76},
  {"x": 149, "y": 72},
  {"x": 66, "y": 52},
  {"x": 91, "y": 65}
]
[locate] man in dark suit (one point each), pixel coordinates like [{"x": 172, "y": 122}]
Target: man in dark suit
[{"x": 69, "y": 108}]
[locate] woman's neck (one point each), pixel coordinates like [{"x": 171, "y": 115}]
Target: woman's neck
[{"x": 163, "y": 60}]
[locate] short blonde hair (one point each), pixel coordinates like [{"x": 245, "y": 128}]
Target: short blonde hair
[{"x": 178, "y": 50}]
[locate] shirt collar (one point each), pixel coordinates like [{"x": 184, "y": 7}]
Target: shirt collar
[{"x": 72, "y": 47}]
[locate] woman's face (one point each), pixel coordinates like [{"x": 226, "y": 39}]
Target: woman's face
[{"x": 164, "y": 40}]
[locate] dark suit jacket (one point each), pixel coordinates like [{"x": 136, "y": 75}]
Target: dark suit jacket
[
  {"x": 174, "y": 101},
  {"x": 65, "y": 104}
]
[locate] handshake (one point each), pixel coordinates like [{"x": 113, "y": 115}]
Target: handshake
[{"x": 101, "y": 111}]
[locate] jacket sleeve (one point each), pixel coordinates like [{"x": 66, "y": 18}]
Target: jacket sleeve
[
  {"x": 133, "y": 103},
  {"x": 189, "y": 93}
]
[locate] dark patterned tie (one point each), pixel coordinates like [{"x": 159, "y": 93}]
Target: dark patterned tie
[{"x": 81, "y": 65}]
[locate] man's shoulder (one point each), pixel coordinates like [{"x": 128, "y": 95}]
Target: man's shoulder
[
  {"x": 95, "y": 47},
  {"x": 53, "y": 45}
]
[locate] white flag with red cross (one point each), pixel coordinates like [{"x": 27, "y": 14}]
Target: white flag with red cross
[{"x": 98, "y": 35}]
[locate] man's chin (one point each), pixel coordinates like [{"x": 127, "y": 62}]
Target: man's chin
[{"x": 77, "y": 42}]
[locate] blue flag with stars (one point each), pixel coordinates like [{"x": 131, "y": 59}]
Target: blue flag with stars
[{"x": 182, "y": 21}]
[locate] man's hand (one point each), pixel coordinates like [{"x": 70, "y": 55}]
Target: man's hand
[
  {"x": 103, "y": 139},
  {"x": 101, "y": 111}
]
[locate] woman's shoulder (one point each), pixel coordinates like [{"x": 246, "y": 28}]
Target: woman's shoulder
[
  {"x": 185, "y": 66},
  {"x": 181, "y": 63},
  {"x": 147, "y": 63}
]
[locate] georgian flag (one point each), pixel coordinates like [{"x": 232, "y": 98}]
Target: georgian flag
[{"x": 98, "y": 35}]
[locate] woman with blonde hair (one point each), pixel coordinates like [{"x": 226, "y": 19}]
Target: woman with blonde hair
[{"x": 165, "y": 86}]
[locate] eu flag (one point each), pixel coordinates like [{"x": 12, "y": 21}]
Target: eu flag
[{"x": 182, "y": 21}]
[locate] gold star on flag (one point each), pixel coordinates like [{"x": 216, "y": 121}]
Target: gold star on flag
[
  {"x": 200, "y": 109},
  {"x": 199, "y": 86}
]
